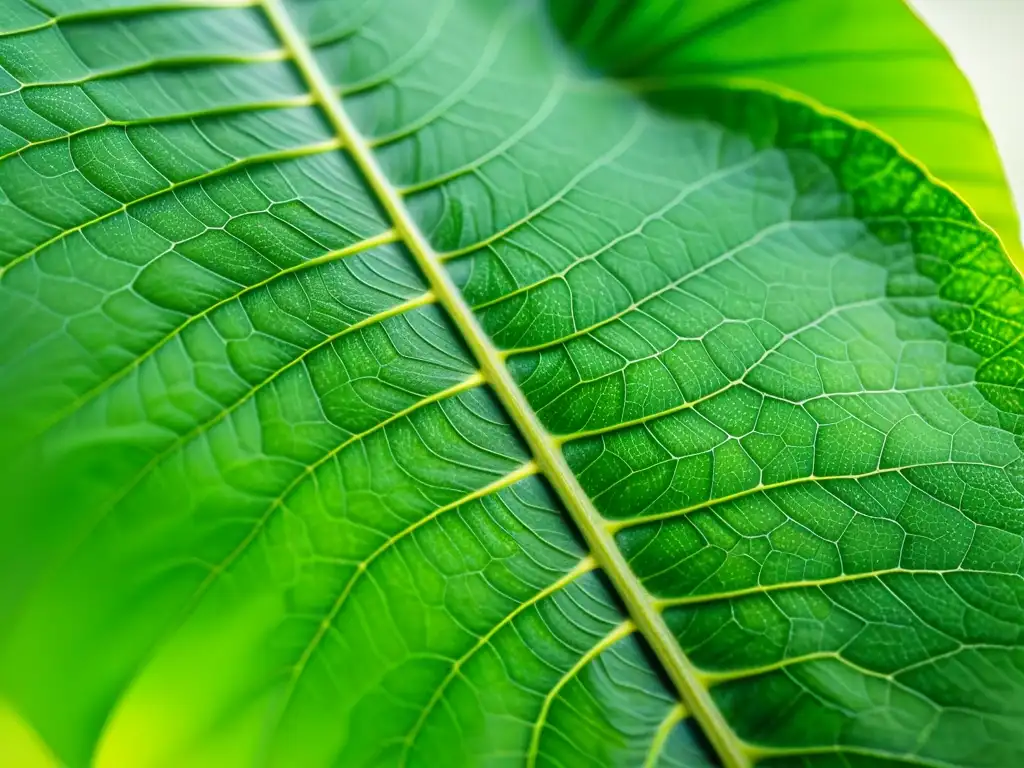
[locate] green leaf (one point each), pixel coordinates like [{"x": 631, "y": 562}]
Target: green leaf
[
  {"x": 872, "y": 59},
  {"x": 381, "y": 386}
]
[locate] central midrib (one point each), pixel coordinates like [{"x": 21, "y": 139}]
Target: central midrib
[{"x": 545, "y": 449}]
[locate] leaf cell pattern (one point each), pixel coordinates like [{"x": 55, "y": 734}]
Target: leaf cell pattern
[{"x": 260, "y": 265}]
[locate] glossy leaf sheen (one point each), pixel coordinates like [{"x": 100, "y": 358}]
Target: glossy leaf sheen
[
  {"x": 872, "y": 59},
  {"x": 381, "y": 386}
]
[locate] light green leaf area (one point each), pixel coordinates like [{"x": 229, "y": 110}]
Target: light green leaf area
[
  {"x": 872, "y": 59},
  {"x": 381, "y": 387}
]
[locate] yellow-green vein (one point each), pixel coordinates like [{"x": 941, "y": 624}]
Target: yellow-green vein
[{"x": 545, "y": 449}]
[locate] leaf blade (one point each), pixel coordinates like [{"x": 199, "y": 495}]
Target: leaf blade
[{"x": 439, "y": 459}]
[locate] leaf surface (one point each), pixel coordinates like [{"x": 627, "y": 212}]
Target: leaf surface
[
  {"x": 873, "y": 59},
  {"x": 383, "y": 387}
]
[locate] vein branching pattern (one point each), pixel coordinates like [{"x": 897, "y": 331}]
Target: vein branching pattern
[{"x": 402, "y": 383}]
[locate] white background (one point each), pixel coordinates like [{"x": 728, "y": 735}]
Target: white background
[{"x": 986, "y": 37}]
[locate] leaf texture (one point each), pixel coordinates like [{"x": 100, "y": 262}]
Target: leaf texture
[
  {"x": 383, "y": 386},
  {"x": 873, "y": 59}
]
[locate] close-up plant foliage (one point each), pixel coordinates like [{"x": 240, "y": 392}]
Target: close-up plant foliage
[{"x": 507, "y": 383}]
